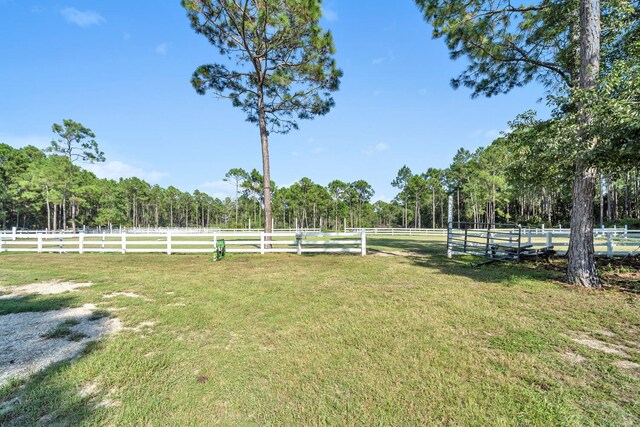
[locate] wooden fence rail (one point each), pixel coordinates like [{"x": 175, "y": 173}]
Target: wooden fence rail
[{"x": 174, "y": 243}]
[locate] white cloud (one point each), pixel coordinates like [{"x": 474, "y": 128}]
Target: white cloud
[
  {"x": 162, "y": 49},
  {"x": 16, "y": 141},
  {"x": 219, "y": 189},
  {"x": 378, "y": 148},
  {"x": 490, "y": 134},
  {"x": 317, "y": 150},
  {"x": 116, "y": 170},
  {"x": 389, "y": 57},
  {"x": 80, "y": 18},
  {"x": 329, "y": 14}
]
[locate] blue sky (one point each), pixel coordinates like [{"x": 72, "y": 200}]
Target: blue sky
[{"x": 122, "y": 68}]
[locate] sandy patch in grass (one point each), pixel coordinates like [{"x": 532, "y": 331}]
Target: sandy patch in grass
[
  {"x": 626, "y": 364},
  {"x": 125, "y": 294},
  {"x": 24, "y": 351},
  {"x": 572, "y": 357},
  {"x": 141, "y": 326},
  {"x": 602, "y": 346},
  {"x": 42, "y": 288},
  {"x": 88, "y": 390}
]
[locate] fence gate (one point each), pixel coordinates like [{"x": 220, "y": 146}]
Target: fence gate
[{"x": 494, "y": 242}]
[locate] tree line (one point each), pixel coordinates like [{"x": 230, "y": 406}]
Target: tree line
[
  {"x": 49, "y": 189},
  {"x": 504, "y": 182}
]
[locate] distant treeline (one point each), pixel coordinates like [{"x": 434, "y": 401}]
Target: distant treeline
[{"x": 495, "y": 184}]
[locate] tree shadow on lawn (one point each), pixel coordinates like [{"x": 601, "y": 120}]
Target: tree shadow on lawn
[
  {"x": 621, "y": 273},
  {"x": 48, "y": 397},
  {"x": 432, "y": 254},
  {"x": 36, "y": 303},
  {"x": 382, "y": 244}
]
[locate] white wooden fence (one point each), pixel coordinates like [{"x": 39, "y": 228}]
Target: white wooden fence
[
  {"x": 401, "y": 231},
  {"x": 606, "y": 242},
  {"x": 154, "y": 230},
  {"x": 174, "y": 243}
]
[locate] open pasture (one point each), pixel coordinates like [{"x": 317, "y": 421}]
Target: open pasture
[{"x": 402, "y": 337}]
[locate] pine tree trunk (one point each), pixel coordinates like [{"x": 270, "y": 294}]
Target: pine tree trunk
[
  {"x": 73, "y": 216},
  {"x": 581, "y": 267},
  {"x": 48, "y": 209},
  {"x": 266, "y": 170},
  {"x": 458, "y": 208},
  {"x": 64, "y": 213}
]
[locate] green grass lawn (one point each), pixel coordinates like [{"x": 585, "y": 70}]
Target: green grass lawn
[{"x": 330, "y": 340}]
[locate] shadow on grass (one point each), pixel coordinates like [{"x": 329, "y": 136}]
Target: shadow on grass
[
  {"x": 432, "y": 254},
  {"x": 47, "y": 398},
  {"x": 36, "y": 303},
  {"x": 408, "y": 245}
]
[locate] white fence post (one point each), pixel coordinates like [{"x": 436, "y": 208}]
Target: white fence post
[
  {"x": 262, "y": 243},
  {"x": 549, "y": 239},
  {"x": 1, "y": 250},
  {"x": 39, "y": 243},
  {"x": 363, "y": 242},
  {"x": 103, "y": 239},
  {"x": 124, "y": 243},
  {"x": 299, "y": 243},
  {"x": 14, "y": 230},
  {"x": 529, "y": 236},
  {"x": 609, "y": 245},
  {"x": 169, "y": 243},
  {"x": 81, "y": 243}
]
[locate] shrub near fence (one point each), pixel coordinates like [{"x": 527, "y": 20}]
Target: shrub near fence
[{"x": 174, "y": 243}]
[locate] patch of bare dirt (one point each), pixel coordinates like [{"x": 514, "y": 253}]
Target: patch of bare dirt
[
  {"x": 142, "y": 325},
  {"x": 572, "y": 357},
  {"x": 89, "y": 389},
  {"x": 125, "y": 294},
  {"x": 602, "y": 346},
  {"x": 42, "y": 288},
  {"x": 627, "y": 365},
  {"x": 24, "y": 350}
]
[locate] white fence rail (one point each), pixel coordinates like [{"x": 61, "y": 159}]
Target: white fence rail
[
  {"x": 153, "y": 230},
  {"x": 607, "y": 242},
  {"x": 401, "y": 231},
  {"x": 174, "y": 243}
]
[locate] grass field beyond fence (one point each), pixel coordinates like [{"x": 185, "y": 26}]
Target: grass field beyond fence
[{"x": 330, "y": 340}]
